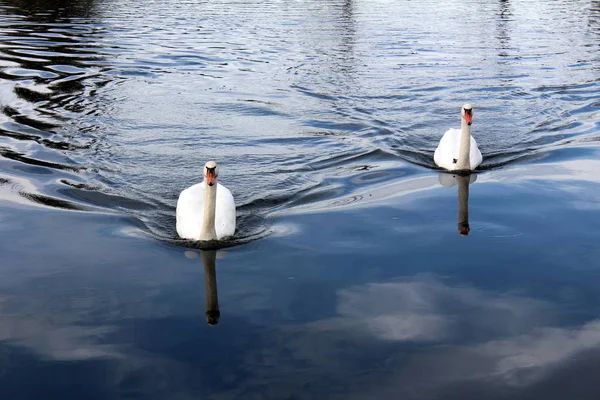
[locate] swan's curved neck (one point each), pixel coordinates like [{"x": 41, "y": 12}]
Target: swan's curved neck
[
  {"x": 463, "y": 204},
  {"x": 464, "y": 152},
  {"x": 210, "y": 202},
  {"x": 210, "y": 283}
]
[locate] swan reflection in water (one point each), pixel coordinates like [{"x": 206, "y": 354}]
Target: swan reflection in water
[
  {"x": 209, "y": 258},
  {"x": 463, "y": 182},
  {"x": 210, "y": 283}
]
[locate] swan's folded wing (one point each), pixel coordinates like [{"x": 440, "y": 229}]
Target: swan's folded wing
[
  {"x": 447, "y": 150},
  {"x": 475, "y": 157},
  {"x": 190, "y": 212},
  {"x": 225, "y": 214}
]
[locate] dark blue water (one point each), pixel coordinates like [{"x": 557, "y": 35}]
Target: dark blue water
[{"x": 347, "y": 278}]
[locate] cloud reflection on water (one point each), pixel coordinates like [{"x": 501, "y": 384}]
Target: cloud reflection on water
[{"x": 503, "y": 338}]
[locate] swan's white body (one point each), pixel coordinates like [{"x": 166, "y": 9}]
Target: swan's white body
[
  {"x": 448, "y": 150},
  {"x": 458, "y": 149},
  {"x": 191, "y": 216}
]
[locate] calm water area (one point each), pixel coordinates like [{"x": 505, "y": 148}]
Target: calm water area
[{"x": 347, "y": 277}]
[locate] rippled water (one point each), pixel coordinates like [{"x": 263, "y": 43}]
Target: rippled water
[
  {"x": 122, "y": 105},
  {"x": 347, "y": 265}
]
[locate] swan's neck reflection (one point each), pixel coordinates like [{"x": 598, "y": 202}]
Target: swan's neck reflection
[
  {"x": 210, "y": 282},
  {"x": 463, "y": 204},
  {"x": 463, "y": 182}
]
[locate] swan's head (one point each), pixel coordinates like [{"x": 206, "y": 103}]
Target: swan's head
[
  {"x": 211, "y": 172},
  {"x": 467, "y": 113}
]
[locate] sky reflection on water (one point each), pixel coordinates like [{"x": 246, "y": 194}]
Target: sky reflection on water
[{"x": 352, "y": 275}]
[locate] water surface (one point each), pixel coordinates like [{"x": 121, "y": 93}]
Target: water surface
[{"x": 348, "y": 276}]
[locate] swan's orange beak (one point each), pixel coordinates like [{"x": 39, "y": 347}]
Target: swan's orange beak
[
  {"x": 210, "y": 177},
  {"x": 468, "y": 118}
]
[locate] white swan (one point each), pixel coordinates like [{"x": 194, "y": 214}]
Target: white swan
[
  {"x": 458, "y": 150},
  {"x": 206, "y": 210}
]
